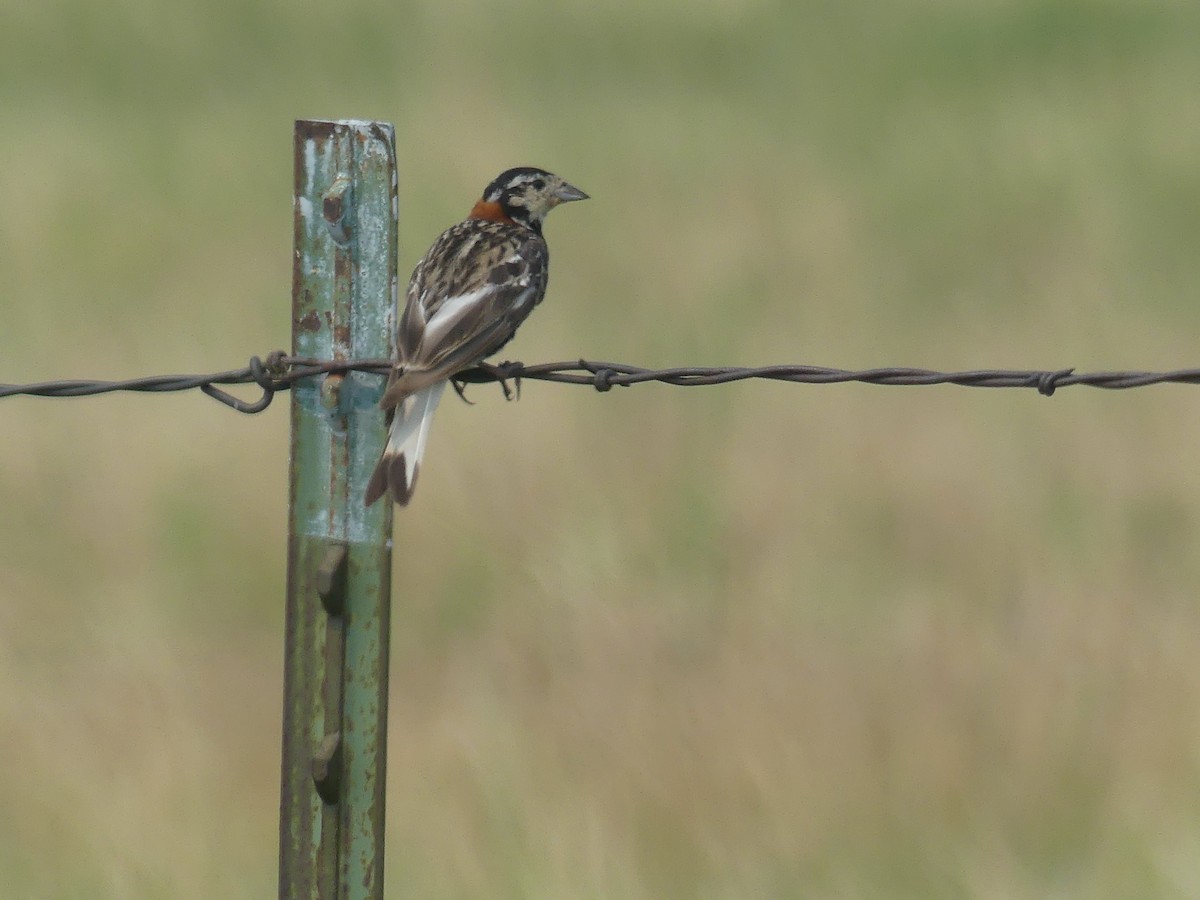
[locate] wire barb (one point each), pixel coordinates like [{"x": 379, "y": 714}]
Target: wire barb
[
  {"x": 280, "y": 371},
  {"x": 1048, "y": 381},
  {"x": 602, "y": 376}
]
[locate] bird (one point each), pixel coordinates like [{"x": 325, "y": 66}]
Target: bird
[{"x": 468, "y": 294}]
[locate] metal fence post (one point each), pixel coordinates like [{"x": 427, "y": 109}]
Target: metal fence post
[{"x": 339, "y": 552}]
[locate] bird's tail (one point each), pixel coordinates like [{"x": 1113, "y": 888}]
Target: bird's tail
[{"x": 396, "y": 472}]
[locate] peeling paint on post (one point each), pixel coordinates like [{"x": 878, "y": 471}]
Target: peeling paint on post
[{"x": 339, "y": 552}]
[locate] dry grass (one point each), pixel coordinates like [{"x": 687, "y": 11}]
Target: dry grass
[{"x": 758, "y": 640}]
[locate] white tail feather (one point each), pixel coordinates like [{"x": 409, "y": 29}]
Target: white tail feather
[
  {"x": 410, "y": 428},
  {"x": 433, "y": 395}
]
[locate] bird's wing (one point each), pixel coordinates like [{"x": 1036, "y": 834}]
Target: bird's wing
[{"x": 469, "y": 293}]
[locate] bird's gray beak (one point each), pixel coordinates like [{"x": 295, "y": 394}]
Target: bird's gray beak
[{"x": 568, "y": 192}]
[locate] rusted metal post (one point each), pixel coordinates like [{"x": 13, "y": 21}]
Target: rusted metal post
[{"x": 339, "y": 552}]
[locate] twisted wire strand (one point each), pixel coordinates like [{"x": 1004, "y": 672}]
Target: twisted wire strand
[{"x": 280, "y": 371}]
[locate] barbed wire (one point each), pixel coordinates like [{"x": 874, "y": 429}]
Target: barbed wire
[{"x": 280, "y": 371}]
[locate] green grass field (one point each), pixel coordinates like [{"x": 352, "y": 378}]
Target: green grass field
[{"x": 756, "y": 640}]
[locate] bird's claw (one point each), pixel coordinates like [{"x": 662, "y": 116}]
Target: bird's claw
[
  {"x": 460, "y": 388},
  {"x": 502, "y": 373}
]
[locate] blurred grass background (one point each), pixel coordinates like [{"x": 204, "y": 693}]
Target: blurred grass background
[{"x": 756, "y": 640}]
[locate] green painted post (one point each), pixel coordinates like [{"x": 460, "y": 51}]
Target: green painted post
[{"x": 339, "y": 552}]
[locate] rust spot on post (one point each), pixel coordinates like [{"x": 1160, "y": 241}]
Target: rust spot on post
[{"x": 311, "y": 322}]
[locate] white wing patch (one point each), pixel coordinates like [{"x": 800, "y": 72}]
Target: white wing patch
[
  {"x": 451, "y": 311},
  {"x": 523, "y": 298}
]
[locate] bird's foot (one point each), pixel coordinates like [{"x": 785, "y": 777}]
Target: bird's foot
[
  {"x": 502, "y": 373},
  {"x": 460, "y": 388}
]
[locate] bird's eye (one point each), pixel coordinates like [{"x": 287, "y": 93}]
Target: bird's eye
[{"x": 538, "y": 184}]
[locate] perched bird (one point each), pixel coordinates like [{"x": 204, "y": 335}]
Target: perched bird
[{"x": 467, "y": 295}]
